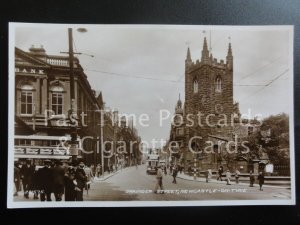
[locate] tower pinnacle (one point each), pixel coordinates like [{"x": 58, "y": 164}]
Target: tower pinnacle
[
  {"x": 229, "y": 57},
  {"x": 188, "y": 55},
  {"x": 229, "y": 53},
  {"x": 205, "y": 52},
  {"x": 179, "y": 103}
]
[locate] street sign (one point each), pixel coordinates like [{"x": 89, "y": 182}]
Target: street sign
[{"x": 269, "y": 168}]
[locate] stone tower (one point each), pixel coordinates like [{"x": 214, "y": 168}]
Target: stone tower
[{"x": 209, "y": 91}]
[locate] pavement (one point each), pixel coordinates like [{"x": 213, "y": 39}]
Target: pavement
[
  {"x": 241, "y": 183},
  {"x": 107, "y": 175}
]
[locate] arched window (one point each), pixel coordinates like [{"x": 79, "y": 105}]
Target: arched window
[
  {"x": 27, "y": 99},
  {"x": 196, "y": 86},
  {"x": 218, "y": 84},
  {"x": 57, "y": 97}
]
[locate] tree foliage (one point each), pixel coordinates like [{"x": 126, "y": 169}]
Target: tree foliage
[{"x": 273, "y": 138}]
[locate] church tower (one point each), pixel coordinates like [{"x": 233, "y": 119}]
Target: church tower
[{"x": 209, "y": 91}]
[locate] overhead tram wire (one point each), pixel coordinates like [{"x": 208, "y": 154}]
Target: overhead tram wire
[
  {"x": 217, "y": 42},
  {"x": 131, "y": 76},
  {"x": 267, "y": 85},
  {"x": 260, "y": 68},
  {"x": 179, "y": 80},
  {"x": 80, "y": 53},
  {"x": 276, "y": 78},
  {"x": 158, "y": 79}
]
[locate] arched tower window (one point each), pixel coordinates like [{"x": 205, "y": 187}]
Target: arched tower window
[
  {"x": 27, "y": 99},
  {"x": 196, "y": 86},
  {"x": 57, "y": 97},
  {"x": 218, "y": 84}
]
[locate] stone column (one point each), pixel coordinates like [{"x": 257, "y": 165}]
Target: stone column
[
  {"x": 18, "y": 101},
  {"x": 255, "y": 167},
  {"x": 44, "y": 95},
  {"x": 38, "y": 96}
]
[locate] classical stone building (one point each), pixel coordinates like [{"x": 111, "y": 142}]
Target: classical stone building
[{"x": 42, "y": 103}]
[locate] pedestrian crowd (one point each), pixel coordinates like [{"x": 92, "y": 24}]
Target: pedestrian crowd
[
  {"x": 65, "y": 180},
  {"x": 237, "y": 173},
  {"x": 228, "y": 175},
  {"x": 174, "y": 169}
]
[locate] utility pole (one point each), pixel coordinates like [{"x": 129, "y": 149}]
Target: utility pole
[
  {"x": 73, "y": 151},
  {"x": 71, "y": 61},
  {"x": 74, "y": 147}
]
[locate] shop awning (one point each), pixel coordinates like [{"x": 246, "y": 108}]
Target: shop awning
[{"x": 27, "y": 156}]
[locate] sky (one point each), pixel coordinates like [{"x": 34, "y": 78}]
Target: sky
[{"x": 140, "y": 69}]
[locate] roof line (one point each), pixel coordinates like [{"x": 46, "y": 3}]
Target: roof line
[{"x": 32, "y": 58}]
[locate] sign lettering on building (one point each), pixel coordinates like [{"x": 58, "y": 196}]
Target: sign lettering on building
[
  {"x": 29, "y": 71},
  {"x": 40, "y": 151}
]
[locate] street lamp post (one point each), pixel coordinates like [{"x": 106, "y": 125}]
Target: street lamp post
[
  {"x": 195, "y": 167},
  {"x": 100, "y": 146},
  {"x": 116, "y": 164},
  {"x": 101, "y": 141},
  {"x": 114, "y": 138}
]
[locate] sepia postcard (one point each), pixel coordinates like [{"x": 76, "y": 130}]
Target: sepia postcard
[{"x": 150, "y": 115}]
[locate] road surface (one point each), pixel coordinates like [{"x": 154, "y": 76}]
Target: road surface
[{"x": 134, "y": 184}]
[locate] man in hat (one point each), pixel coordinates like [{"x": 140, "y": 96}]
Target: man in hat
[
  {"x": 58, "y": 180},
  {"x": 261, "y": 179},
  {"x": 159, "y": 176},
  {"x": 17, "y": 178},
  {"x": 220, "y": 172},
  {"x": 174, "y": 174},
  {"x": 70, "y": 193},
  {"x": 27, "y": 172},
  {"x": 80, "y": 181},
  {"x": 44, "y": 181}
]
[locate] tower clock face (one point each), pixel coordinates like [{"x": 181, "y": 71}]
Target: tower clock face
[
  {"x": 218, "y": 108},
  {"x": 178, "y": 119}
]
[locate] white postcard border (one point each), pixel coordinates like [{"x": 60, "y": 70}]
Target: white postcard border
[{"x": 11, "y": 113}]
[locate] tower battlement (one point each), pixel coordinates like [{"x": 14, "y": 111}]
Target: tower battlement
[
  {"x": 215, "y": 63},
  {"x": 207, "y": 59}
]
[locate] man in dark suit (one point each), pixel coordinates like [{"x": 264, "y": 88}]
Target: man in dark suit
[
  {"x": 261, "y": 179},
  {"x": 58, "y": 174},
  {"x": 45, "y": 180},
  {"x": 17, "y": 178},
  {"x": 220, "y": 172},
  {"x": 70, "y": 193},
  {"x": 27, "y": 172},
  {"x": 80, "y": 181},
  {"x": 174, "y": 174}
]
